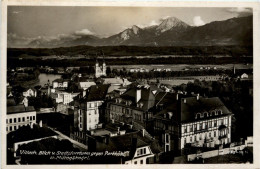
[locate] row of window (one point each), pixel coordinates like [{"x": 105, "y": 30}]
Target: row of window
[
  {"x": 20, "y": 119},
  {"x": 208, "y": 136},
  {"x": 208, "y": 114},
  {"x": 13, "y": 128},
  {"x": 204, "y": 125}
]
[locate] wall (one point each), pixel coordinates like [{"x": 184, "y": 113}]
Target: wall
[{"x": 214, "y": 153}]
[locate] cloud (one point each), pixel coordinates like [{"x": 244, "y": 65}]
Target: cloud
[
  {"x": 84, "y": 32},
  {"x": 197, "y": 21},
  {"x": 240, "y": 11}
]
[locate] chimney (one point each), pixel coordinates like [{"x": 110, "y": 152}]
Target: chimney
[
  {"x": 143, "y": 132},
  {"x": 198, "y": 96},
  {"x": 138, "y": 95},
  {"x": 40, "y": 123},
  {"x": 177, "y": 96},
  {"x": 84, "y": 93}
]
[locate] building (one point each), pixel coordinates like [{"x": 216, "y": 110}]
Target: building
[
  {"x": 138, "y": 146},
  {"x": 86, "y": 84},
  {"x": 244, "y": 76},
  {"x": 60, "y": 83},
  {"x": 88, "y": 107},
  {"x": 27, "y": 134},
  {"x": 18, "y": 116},
  {"x": 135, "y": 105},
  {"x": 64, "y": 97},
  {"x": 29, "y": 92},
  {"x": 100, "y": 70},
  {"x": 192, "y": 121}
]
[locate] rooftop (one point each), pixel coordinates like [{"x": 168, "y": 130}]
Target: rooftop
[{"x": 19, "y": 109}]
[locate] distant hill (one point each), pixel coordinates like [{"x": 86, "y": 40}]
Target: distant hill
[{"x": 170, "y": 32}]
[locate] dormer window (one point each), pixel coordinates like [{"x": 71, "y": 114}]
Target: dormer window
[
  {"x": 198, "y": 116},
  {"x": 219, "y": 111},
  {"x": 205, "y": 114}
]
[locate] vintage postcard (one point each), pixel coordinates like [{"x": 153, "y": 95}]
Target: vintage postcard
[{"x": 129, "y": 83}]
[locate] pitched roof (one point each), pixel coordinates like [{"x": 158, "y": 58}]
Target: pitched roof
[
  {"x": 131, "y": 141},
  {"x": 185, "y": 109},
  {"x": 95, "y": 92},
  {"x": 147, "y": 97},
  {"x": 19, "y": 109}
]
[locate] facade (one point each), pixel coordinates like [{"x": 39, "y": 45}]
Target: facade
[
  {"x": 60, "y": 83},
  {"x": 134, "y": 105},
  {"x": 100, "y": 70},
  {"x": 18, "y": 116},
  {"x": 193, "y": 121},
  {"x": 65, "y": 97},
  {"x": 88, "y": 107}
]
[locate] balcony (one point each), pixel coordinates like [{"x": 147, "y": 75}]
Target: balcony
[{"x": 222, "y": 137}]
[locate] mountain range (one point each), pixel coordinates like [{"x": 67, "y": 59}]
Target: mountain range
[{"x": 170, "y": 32}]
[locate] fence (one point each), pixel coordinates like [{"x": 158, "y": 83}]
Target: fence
[{"x": 215, "y": 153}]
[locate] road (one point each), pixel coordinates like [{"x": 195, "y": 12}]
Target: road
[{"x": 81, "y": 146}]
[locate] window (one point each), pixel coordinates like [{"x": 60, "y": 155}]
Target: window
[
  {"x": 215, "y": 134},
  {"x": 206, "y": 125},
  {"x": 33, "y": 117},
  {"x": 135, "y": 162},
  {"x": 200, "y": 126},
  {"x": 141, "y": 162},
  {"x": 144, "y": 150},
  {"x": 14, "y": 120},
  {"x": 19, "y": 119},
  {"x": 209, "y": 134},
  {"x": 167, "y": 138},
  {"x": 198, "y": 115},
  {"x": 11, "y": 128},
  {"x": 6, "y": 128},
  {"x": 210, "y": 124},
  {"x": 195, "y": 127},
  {"x": 195, "y": 138},
  {"x": 200, "y": 137},
  {"x": 23, "y": 118},
  {"x": 205, "y": 114},
  {"x": 190, "y": 139},
  {"x": 185, "y": 129},
  {"x": 215, "y": 123},
  {"x": 191, "y": 129},
  {"x": 14, "y": 127},
  {"x": 30, "y": 117},
  {"x": 184, "y": 140},
  {"x": 6, "y": 120},
  {"x": 10, "y": 120}
]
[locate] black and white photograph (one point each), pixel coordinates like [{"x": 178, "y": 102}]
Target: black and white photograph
[{"x": 129, "y": 85}]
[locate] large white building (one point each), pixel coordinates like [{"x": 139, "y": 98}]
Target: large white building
[
  {"x": 18, "y": 116},
  {"x": 193, "y": 121},
  {"x": 65, "y": 97}
]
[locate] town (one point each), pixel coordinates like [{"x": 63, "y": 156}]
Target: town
[{"x": 132, "y": 115}]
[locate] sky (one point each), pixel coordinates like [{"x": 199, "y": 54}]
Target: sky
[{"x": 30, "y": 22}]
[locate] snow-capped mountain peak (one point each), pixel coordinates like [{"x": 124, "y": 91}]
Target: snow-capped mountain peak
[{"x": 169, "y": 23}]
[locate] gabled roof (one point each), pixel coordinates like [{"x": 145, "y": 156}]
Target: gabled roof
[{"x": 19, "y": 109}]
